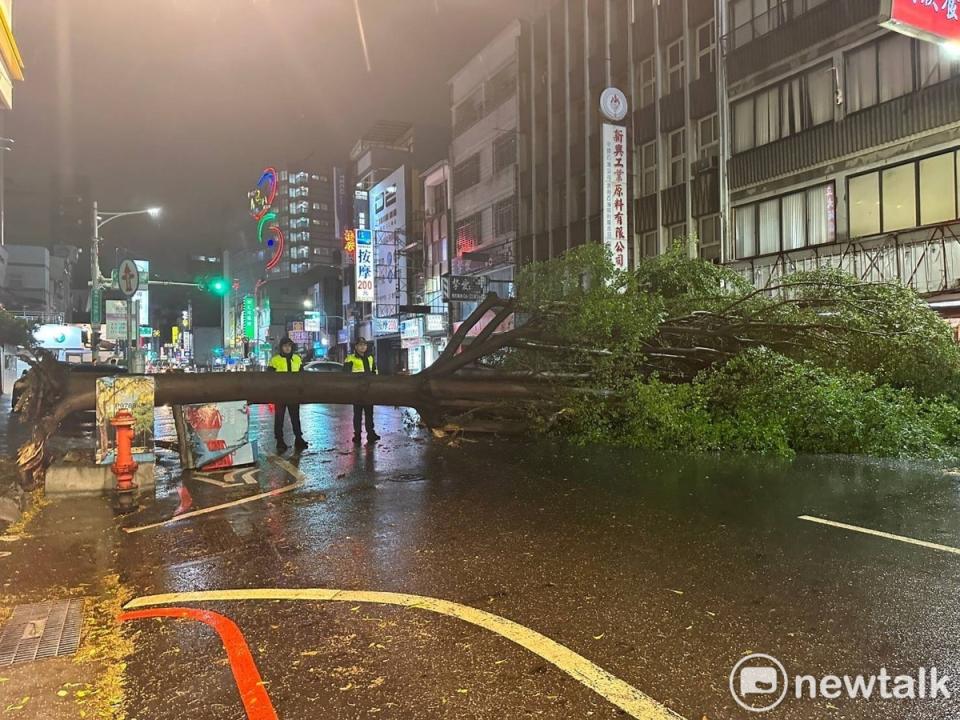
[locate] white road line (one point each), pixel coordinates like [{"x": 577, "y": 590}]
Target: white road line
[
  {"x": 626, "y": 697},
  {"x": 880, "y": 534},
  {"x": 292, "y": 469}
]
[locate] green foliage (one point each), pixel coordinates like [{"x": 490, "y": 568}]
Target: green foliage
[
  {"x": 763, "y": 402},
  {"x": 14, "y": 331},
  {"x": 895, "y": 336},
  {"x": 822, "y": 363}
]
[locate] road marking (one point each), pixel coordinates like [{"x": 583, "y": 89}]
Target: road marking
[
  {"x": 292, "y": 469},
  {"x": 254, "y": 696},
  {"x": 880, "y": 534},
  {"x": 248, "y": 476},
  {"x": 616, "y": 691}
]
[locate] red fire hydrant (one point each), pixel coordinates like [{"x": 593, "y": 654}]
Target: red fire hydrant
[{"x": 124, "y": 467}]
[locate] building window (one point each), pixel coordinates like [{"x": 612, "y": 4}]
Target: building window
[
  {"x": 709, "y": 235},
  {"x": 468, "y": 233},
  {"x": 504, "y": 151},
  {"x": 708, "y": 137},
  {"x": 648, "y": 82},
  {"x": 466, "y": 174},
  {"x": 922, "y": 192},
  {"x": 500, "y": 88},
  {"x": 675, "y": 66},
  {"x": 648, "y": 169},
  {"x": 799, "y": 103},
  {"x": 677, "y": 233},
  {"x": 934, "y": 64},
  {"x": 755, "y": 18},
  {"x": 503, "y": 217},
  {"x": 650, "y": 244},
  {"x": 706, "y": 49},
  {"x": 797, "y": 220},
  {"x": 891, "y": 67},
  {"x": 439, "y": 198},
  {"x": 467, "y": 113},
  {"x": 678, "y": 157}
]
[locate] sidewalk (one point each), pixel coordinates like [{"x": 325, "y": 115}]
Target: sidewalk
[{"x": 63, "y": 549}]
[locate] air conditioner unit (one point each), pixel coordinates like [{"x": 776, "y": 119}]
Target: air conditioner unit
[{"x": 706, "y": 164}]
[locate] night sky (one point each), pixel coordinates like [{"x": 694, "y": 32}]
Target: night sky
[{"x": 180, "y": 103}]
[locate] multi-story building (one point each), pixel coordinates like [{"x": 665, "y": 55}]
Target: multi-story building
[
  {"x": 378, "y": 153},
  {"x": 818, "y": 137},
  {"x": 483, "y": 156},
  {"x": 386, "y": 200},
  {"x": 843, "y": 144},
  {"x": 434, "y": 264},
  {"x": 309, "y": 269},
  {"x": 663, "y": 57},
  {"x": 11, "y": 63},
  {"x": 305, "y": 209}
]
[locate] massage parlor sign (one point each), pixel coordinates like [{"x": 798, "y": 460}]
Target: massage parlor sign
[{"x": 933, "y": 20}]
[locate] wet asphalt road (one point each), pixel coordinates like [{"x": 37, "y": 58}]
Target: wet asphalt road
[{"x": 662, "y": 570}]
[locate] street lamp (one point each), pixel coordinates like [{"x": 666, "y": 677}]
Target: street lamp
[
  {"x": 308, "y": 304},
  {"x": 96, "y": 280}
]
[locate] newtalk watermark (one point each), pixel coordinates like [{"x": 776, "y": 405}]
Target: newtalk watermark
[{"x": 759, "y": 683}]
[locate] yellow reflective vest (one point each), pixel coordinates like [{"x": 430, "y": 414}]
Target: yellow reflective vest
[
  {"x": 279, "y": 363},
  {"x": 354, "y": 363}
]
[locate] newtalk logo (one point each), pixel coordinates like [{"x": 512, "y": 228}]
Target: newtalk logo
[{"x": 759, "y": 683}]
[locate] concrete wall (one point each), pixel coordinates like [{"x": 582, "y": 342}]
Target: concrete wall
[{"x": 28, "y": 277}]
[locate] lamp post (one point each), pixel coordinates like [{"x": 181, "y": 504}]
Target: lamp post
[
  {"x": 97, "y": 282},
  {"x": 6, "y": 145}
]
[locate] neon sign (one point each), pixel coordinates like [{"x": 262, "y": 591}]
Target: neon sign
[
  {"x": 269, "y": 233},
  {"x": 261, "y": 199},
  {"x": 934, "y": 20},
  {"x": 350, "y": 241}
]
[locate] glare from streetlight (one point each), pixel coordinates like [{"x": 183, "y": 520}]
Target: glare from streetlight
[
  {"x": 154, "y": 211},
  {"x": 308, "y": 303}
]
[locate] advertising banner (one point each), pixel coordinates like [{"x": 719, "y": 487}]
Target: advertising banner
[
  {"x": 125, "y": 392},
  {"x": 219, "y": 435}
]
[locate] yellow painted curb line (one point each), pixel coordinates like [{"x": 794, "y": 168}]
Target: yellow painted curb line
[
  {"x": 289, "y": 467},
  {"x": 624, "y": 696}
]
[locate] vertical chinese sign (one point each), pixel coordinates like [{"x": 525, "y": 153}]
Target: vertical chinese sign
[
  {"x": 364, "y": 266},
  {"x": 250, "y": 317},
  {"x": 616, "y": 212}
]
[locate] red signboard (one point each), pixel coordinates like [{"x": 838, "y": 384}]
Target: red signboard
[{"x": 935, "y": 20}]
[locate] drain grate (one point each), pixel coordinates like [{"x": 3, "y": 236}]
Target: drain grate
[{"x": 34, "y": 632}]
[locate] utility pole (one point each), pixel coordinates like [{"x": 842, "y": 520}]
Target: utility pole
[{"x": 95, "y": 286}]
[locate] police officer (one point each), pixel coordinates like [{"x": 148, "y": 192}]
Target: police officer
[
  {"x": 287, "y": 360},
  {"x": 360, "y": 361}
]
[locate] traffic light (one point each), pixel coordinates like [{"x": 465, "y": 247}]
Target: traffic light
[{"x": 218, "y": 286}]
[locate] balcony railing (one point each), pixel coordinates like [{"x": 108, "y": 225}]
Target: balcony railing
[{"x": 925, "y": 259}]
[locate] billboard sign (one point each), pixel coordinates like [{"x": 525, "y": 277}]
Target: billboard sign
[
  {"x": 386, "y": 326},
  {"x": 312, "y": 321},
  {"x": 934, "y": 20},
  {"x": 364, "y": 267},
  {"x": 116, "y": 320},
  {"x": 464, "y": 288}
]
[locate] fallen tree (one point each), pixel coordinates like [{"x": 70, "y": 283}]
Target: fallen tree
[{"x": 678, "y": 354}]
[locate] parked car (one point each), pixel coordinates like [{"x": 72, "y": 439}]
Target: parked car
[{"x": 323, "y": 366}]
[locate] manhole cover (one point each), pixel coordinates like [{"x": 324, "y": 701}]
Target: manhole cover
[{"x": 44, "y": 630}]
